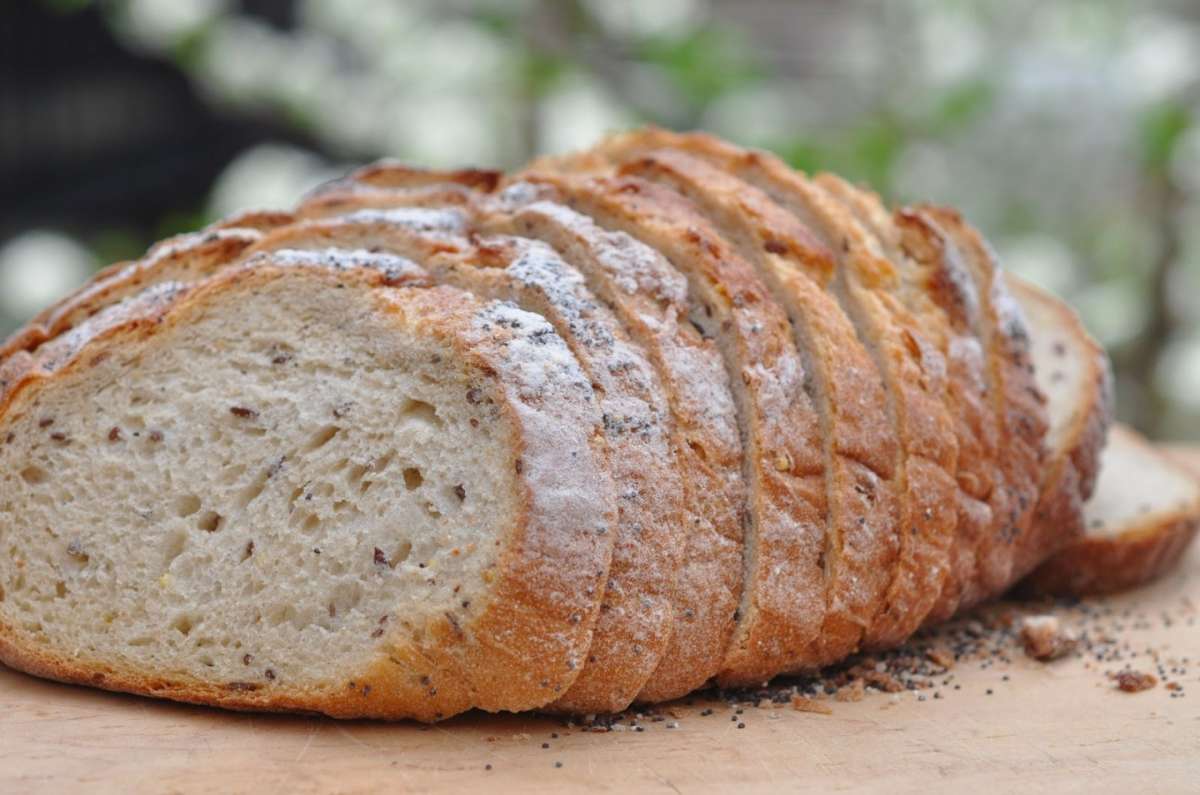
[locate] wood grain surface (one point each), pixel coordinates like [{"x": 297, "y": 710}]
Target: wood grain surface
[{"x": 1058, "y": 727}]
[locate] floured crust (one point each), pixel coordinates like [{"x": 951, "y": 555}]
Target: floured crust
[
  {"x": 1069, "y": 475},
  {"x": 1141, "y": 551},
  {"x": 859, "y": 447},
  {"x": 783, "y": 592},
  {"x": 525, "y": 646}
]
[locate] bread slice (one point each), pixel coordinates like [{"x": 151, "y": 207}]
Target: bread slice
[
  {"x": 1074, "y": 373},
  {"x": 1020, "y": 407},
  {"x": 1144, "y": 514},
  {"x": 650, "y": 298},
  {"x": 912, "y": 369},
  {"x": 291, "y": 487},
  {"x": 184, "y": 258},
  {"x": 636, "y": 612},
  {"x": 936, "y": 285},
  {"x": 859, "y": 448},
  {"x": 782, "y": 604}
]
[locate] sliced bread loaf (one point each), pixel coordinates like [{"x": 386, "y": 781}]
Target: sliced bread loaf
[
  {"x": 1140, "y": 520},
  {"x": 292, "y": 487}
]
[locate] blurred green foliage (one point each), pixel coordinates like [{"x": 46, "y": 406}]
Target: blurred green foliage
[{"x": 1066, "y": 131}]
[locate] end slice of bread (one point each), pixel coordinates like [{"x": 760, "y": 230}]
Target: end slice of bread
[
  {"x": 1143, "y": 516},
  {"x": 292, "y": 487}
]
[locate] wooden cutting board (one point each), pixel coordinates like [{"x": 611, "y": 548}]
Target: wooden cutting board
[{"x": 1058, "y": 727}]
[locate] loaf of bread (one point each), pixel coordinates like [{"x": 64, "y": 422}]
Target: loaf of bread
[{"x": 603, "y": 431}]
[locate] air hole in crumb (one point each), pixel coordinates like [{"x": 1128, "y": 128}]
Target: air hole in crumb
[
  {"x": 209, "y": 522},
  {"x": 1, "y": 593},
  {"x": 251, "y": 492},
  {"x": 432, "y": 510},
  {"x": 279, "y": 614},
  {"x": 421, "y": 411},
  {"x": 321, "y": 438},
  {"x": 34, "y": 475},
  {"x": 186, "y": 505},
  {"x": 699, "y": 450},
  {"x": 311, "y": 524},
  {"x": 413, "y": 478},
  {"x": 176, "y": 541},
  {"x": 355, "y": 474},
  {"x": 60, "y": 589},
  {"x": 183, "y": 625}
]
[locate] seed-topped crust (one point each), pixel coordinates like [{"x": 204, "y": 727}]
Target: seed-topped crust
[{"x": 517, "y": 651}]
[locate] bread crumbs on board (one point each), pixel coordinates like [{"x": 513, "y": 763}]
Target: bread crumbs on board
[{"x": 928, "y": 667}]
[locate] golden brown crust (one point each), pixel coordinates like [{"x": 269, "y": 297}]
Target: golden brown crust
[
  {"x": 783, "y": 592},
  {"x": 859, "y": 447},
  {"x": 258, "y": 220},
  {"x": 1141, "y": 551},
  {"x": 1020, "y": 408},
  {"x": 525, "y": 645},
  {"x": 1069, "y": 475}
]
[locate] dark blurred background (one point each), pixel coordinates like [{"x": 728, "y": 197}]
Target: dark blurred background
[{"x": 1067, "y": 131}]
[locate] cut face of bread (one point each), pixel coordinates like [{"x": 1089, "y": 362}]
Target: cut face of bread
[
  {"x": 288, "y": 487},
  {"x": 1140, "y": 520}
]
